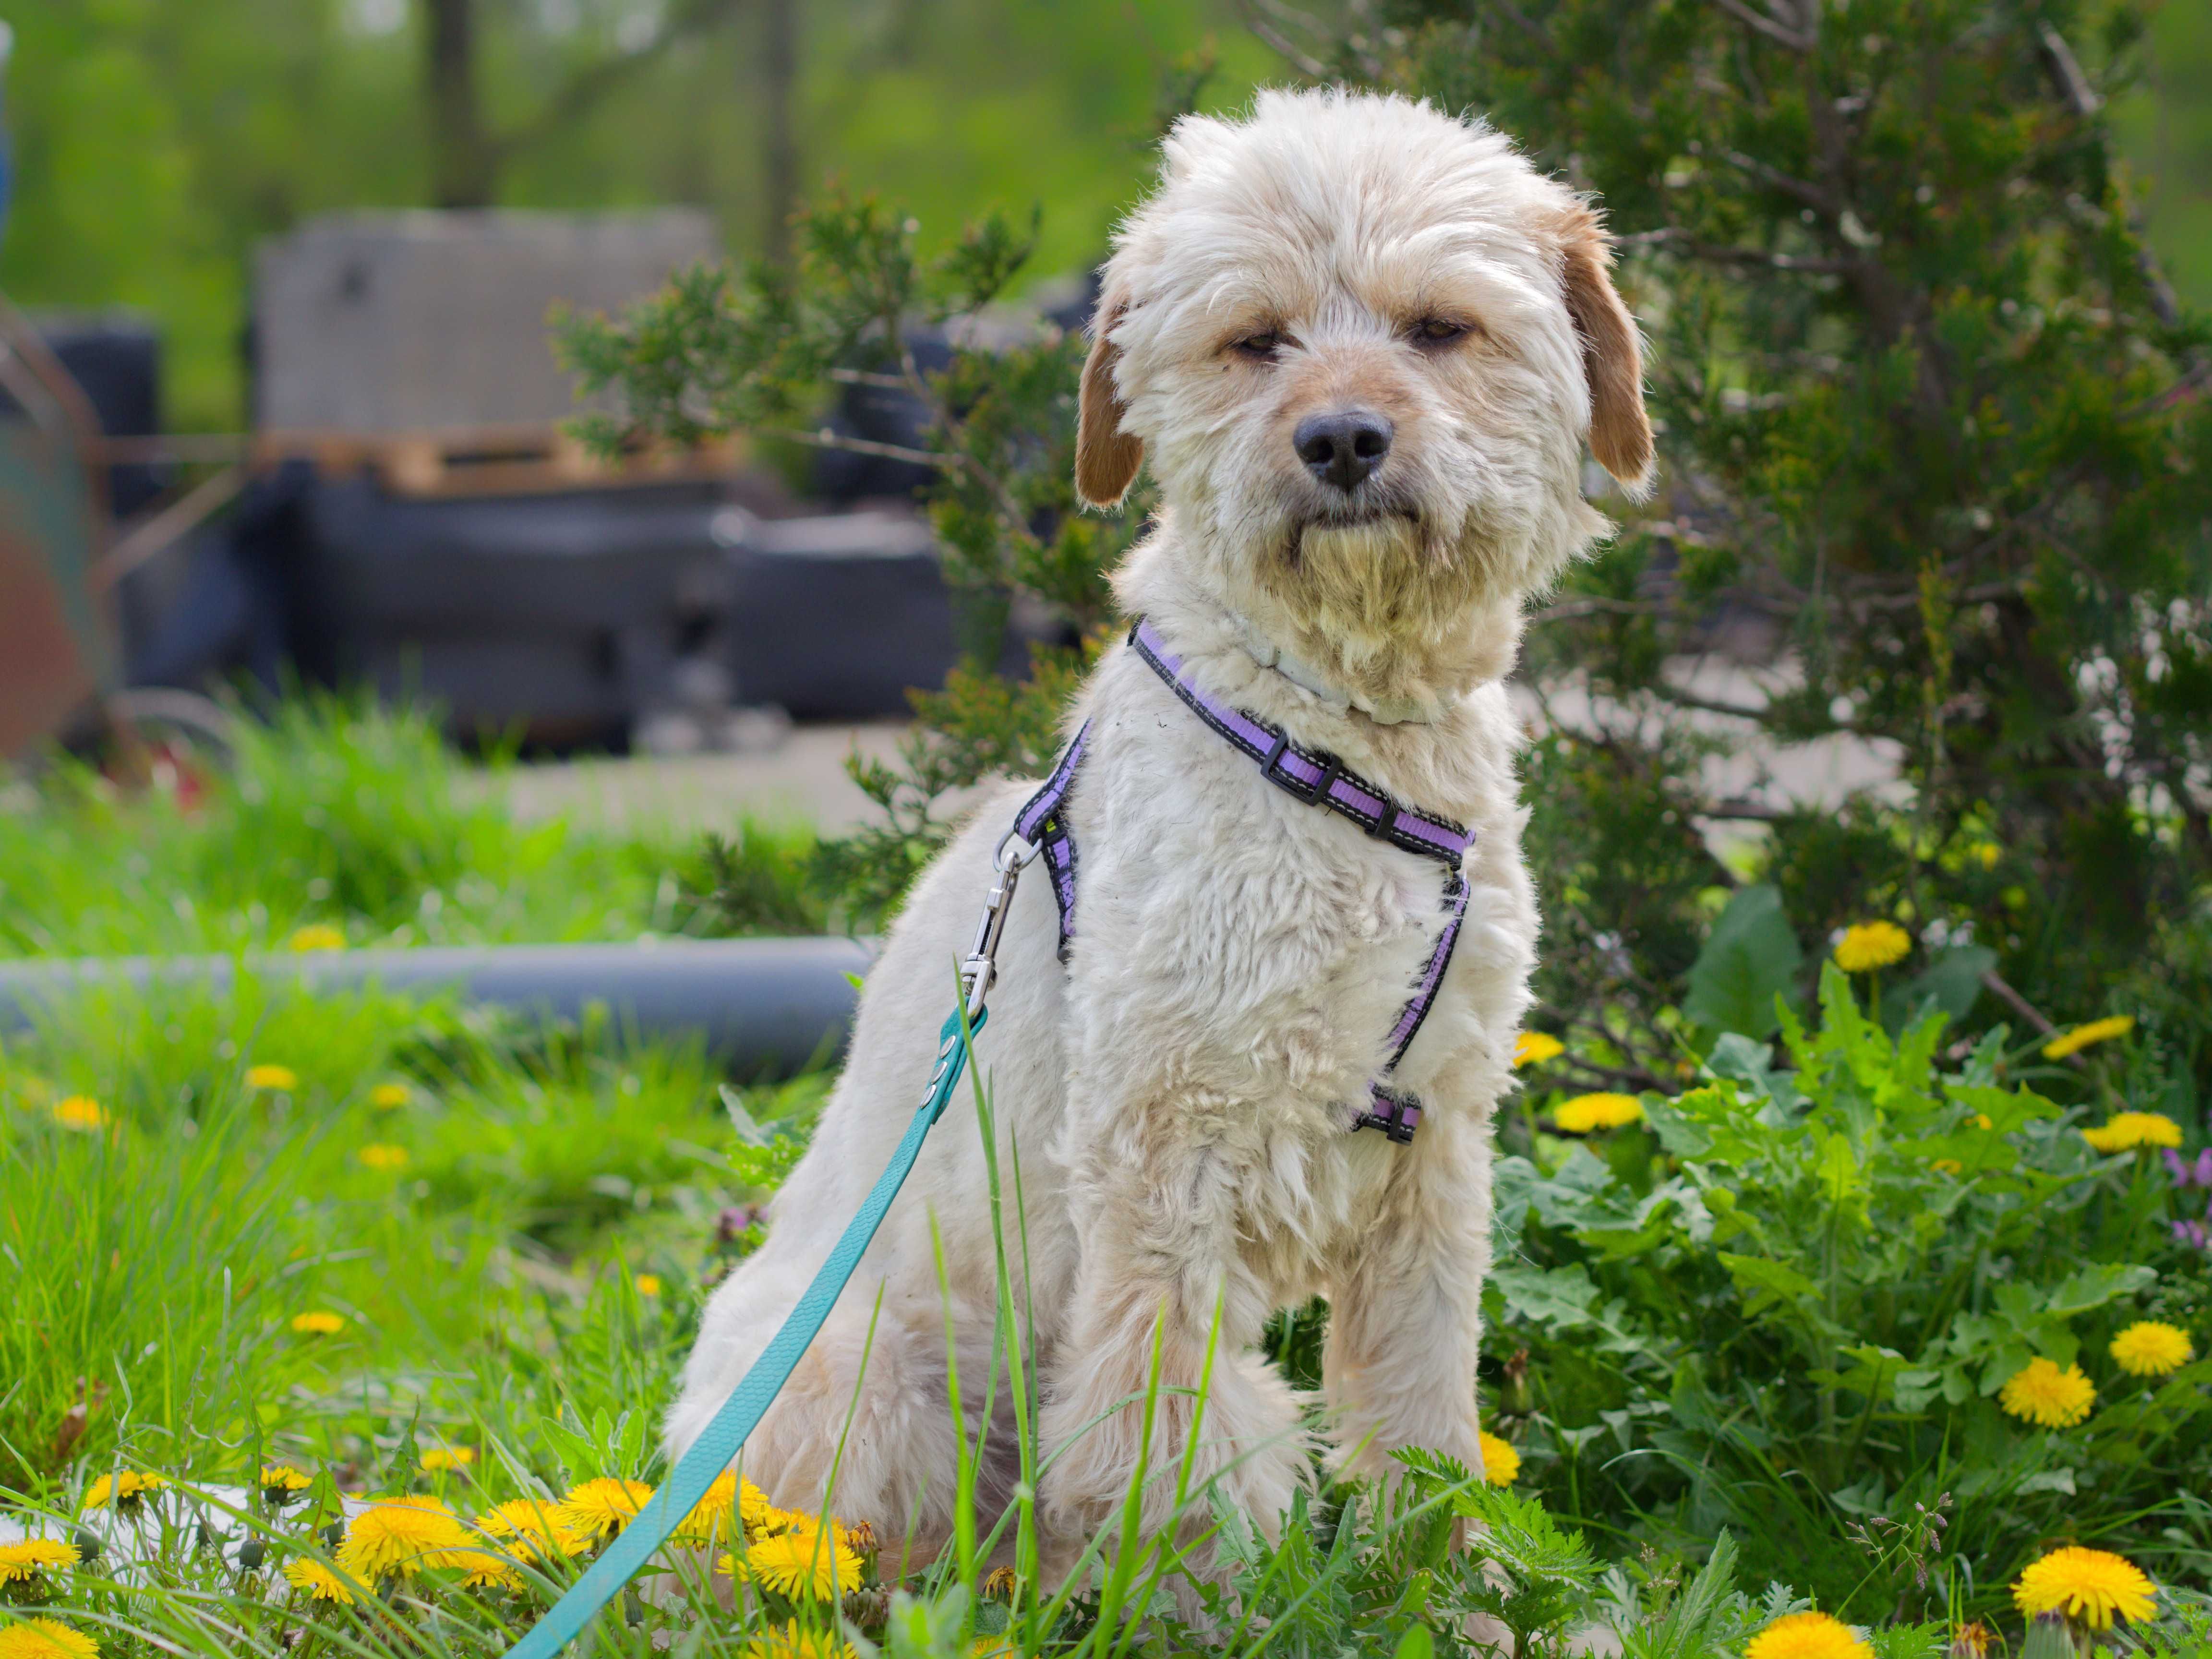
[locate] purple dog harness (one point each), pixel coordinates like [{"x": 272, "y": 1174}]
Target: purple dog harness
[{"x": 1316, "y": 778}]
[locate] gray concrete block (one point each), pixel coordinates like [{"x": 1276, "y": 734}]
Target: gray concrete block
[{"x": 421, "y": 320}]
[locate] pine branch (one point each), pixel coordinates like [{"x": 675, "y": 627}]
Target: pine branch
[
  {"x": 1261, "y": 17},
  {"x": 825, "y": 438},
  {"x": 1780, "y": 34}
]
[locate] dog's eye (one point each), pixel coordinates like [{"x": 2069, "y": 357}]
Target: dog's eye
[
  {"x": 1439, "y": 331},
  {"x": 1259, "y": 347}
]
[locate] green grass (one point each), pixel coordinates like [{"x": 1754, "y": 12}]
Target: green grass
[
  {"x": 491, "y": 1263},
  {"x": 342, "y": 815}
]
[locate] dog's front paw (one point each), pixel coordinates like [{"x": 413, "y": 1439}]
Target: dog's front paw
[{"x": 1251, "y": 1449}]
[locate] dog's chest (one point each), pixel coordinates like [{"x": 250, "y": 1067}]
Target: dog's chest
[{"x": 1256, "y": 948}]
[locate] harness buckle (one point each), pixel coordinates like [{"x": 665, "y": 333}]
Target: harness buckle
[
  {"x": 1331, "y": 770},
  {"x": 1392, "y": 1121}
]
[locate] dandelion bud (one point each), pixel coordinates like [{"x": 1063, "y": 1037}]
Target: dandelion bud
[{"x": 2049, "y": 1638}]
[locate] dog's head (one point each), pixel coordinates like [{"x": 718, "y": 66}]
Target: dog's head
[{"x": 1363, "y": 344}]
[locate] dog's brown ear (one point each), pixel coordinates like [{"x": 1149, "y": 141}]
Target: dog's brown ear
[
  {"x": 1106, "y": 454},
  {"x": 1612, "y": 357}
]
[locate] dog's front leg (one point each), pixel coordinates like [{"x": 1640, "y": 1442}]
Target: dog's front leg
[
  {"x": 1405, "y": 1308},
  {"x": 1157, "y": 1237}
]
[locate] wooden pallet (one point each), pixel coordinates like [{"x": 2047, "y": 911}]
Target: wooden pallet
[{"x": 494, "y": 460}]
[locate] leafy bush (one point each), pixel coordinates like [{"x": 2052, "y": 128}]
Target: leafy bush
[
  {"x": 1934, "y": 450},
  {"x": 1786, "y": 1303}
]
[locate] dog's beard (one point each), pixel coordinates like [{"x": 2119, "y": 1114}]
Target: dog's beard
[
  {"x": 1382, "y": 576},
  {"x": 1383, "y": 600}
]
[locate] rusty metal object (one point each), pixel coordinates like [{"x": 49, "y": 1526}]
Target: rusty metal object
[{"x": 58, "y": 646}]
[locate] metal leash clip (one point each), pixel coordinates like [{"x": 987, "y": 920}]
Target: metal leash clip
[{"x": 981, "y": 969}]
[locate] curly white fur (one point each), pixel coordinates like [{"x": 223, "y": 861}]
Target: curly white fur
[{"x": 1179, "y": 1095}]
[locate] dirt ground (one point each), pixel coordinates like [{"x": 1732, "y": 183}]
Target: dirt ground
[{"x": 801, "y": 779}]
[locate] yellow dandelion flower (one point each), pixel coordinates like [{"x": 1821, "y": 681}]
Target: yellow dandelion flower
[
  {"x": 2097, "y": 1031},
  {"x": 281, "y": 1483},
  {"x": 805, "y": 1562},
  {"x": 1586, "y": 1113},
  {"x": 711, "y": 1522},
  {"x": 122, "y": 1489},
  {"x": 21, "y": 1562},
  {"x": 1807, "y": 1636},
  {"x": 530, "y": 1530},
  {"x": 439, "y": 1460},
  {"x": 1534, "y": 1048},
  {"x": 317, "y": 1321},
  {"x": 484, "y": 1569},
  {"x": 382, "y": 1155},
  {"x": 770, "y": 1521},
  {"x": 1987, "y": 854},
  {"x": 81, "y": 1113},
  {"x": 755, "y": 1514},
  {"x": 319, "y": 1581},
  {"x": 1501, "y": 1464},
  {"x": 648, "y": 1285},
  {"x": 272, "y": 1077},
  {"x": 859, "y": 1537},
  {"x": 599, "y": 1508},
  {"x": 390, "y": 1096},
  {"x": 2147, "y": 1348},
  {"x": 45, "y": 1639},
  {"x": 316, "y": 935},
  {"x": 1867, "y": 945},
  {"x": 2128, "y": 1130},
  {"x": 2086, "y": 1586},
  {"x": 400, "y": 1535},
  {"x": 2043, "y": 1393},
  {"x": 790, "y": 1640}
]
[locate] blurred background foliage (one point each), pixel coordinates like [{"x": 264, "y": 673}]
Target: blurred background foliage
[{"x": 158, "y": 141}]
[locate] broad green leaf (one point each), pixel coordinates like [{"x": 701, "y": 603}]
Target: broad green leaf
[
  {"x": 2006, "y": 1109},
  {"x": 1678, "y": 1130},
  {"x": 2094, "y": 1286},
  {"x": 1752, "y": 957},
  {"x": 1512, "y": 1183},
  {"x": 1758, "y": 1273},
  {"x": 1915, "y": 1388},
  {"x": 1838, "y": 1169},
  {"x": 1558, "y": 1298},
  {"x": 1953, "y": 982}
]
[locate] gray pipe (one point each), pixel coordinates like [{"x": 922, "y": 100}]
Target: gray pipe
[{"x": 764, "y": 1006}]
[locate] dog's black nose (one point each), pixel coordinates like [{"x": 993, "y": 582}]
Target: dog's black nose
[{"x": 1342, "y": 449}]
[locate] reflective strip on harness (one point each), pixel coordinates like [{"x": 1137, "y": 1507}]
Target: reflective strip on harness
[{"x": 1044, "y": 826}]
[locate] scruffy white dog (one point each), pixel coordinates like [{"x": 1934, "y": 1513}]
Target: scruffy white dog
[{"x": 1362, "y": 344}]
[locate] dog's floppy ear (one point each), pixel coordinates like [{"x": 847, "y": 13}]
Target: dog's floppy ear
[
  {"x": 1106, "y": 454},
  {"x": 1613, "y": 358}
]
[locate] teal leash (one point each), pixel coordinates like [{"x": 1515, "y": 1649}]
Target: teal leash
[{"x": 718, "y": 1445}]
